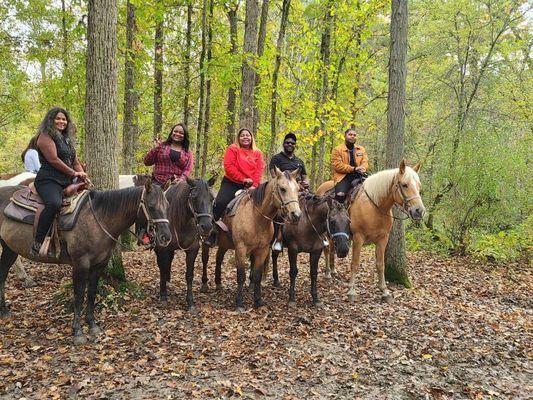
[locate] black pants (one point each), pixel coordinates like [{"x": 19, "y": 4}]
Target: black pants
[
  {"x": 344, "y": 185},
  {"x": 51, "y": 192},
  {"x": 224, "y": 196}
]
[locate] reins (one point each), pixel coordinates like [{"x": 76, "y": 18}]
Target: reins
[{"x": 283, "y": 206}]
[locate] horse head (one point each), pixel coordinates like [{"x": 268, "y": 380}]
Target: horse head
[
  {"x": 338, "y": 226},
  {"x": 286, "y": 193},
  {"x": 407, "y": 191},
  {"x": 155, "y": 205},
  {"x": 201, "y": 201}
]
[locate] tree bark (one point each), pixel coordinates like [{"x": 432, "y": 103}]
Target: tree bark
[
  {"x": 186, "y": 71},
  {"x": 260, "y": 51},
  {"x": 131, "y": 96},
  {"x": 232, "y": 93},
  {"x": 275, "y": 75},
  {"x": 246, "y": 117},
  {"x": 201, "y": 100},
  {"x": 207, "y": 88},
  {"x": 395, "y": 261},
  {"x": 158, "y": 70},
  {"x": 101, "y": 103},
  {"x": 64, "y": 51}
]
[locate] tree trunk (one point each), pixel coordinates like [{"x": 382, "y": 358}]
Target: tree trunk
[
  {"x": 200, "y": 125},
  {"x": 158, "y": 70},
  {"x": 275, "y": 74},
  {"x": 324, "y": 91},
  {"x": 395, "y": 260},
  {"x": 101, "y": 102},
  {"x": 186, "y": 72},
  {"x": 232, "y": 94},
  {"x": 64, "y": 50},
  {"x": 260, "y": 51},
  {"x": 207, "y": 88},
  {"x": 131, "y": 97},
  {"x": 246, "y": 117}
]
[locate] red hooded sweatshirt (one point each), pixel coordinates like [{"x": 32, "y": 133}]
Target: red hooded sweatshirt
[{"x": 242, "y": 163}]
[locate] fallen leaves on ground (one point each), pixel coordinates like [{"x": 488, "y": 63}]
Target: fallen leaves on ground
[{"x": 464, "y": 331}]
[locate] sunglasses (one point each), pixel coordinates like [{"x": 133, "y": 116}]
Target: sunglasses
[{"x": 290, "y": 143}]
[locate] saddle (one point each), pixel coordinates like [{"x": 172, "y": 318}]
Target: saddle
[
  {"x": 26, "y": 206},
  {"x": 355, "y": 188}
]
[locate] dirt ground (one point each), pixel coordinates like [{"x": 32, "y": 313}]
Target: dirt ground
[{"x": 463, "y": 331}]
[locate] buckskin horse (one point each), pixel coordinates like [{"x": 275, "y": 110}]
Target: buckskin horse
[
  {"x": 89, "y": 245},
  {"x": 250, "y": 230},
  {"x": 371, "y": 215},
  {"x": 191, "y": 220},
  {"x": 321, "y": 216}
]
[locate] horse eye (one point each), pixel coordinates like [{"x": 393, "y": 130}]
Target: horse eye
[
  {"x": 283, "y": 190},
  {"x": 405, "y": 185}
]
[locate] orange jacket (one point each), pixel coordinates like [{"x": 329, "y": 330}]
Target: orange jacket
[{"x": 340, "y": 161}]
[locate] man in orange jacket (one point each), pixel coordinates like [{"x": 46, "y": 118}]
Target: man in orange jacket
[{"x": 348, "y": 161}]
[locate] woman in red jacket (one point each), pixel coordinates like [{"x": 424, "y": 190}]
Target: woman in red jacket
[{"x": 243, "y": 168}]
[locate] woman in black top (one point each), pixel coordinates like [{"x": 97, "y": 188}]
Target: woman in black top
[{"x": 59, "y": 165}]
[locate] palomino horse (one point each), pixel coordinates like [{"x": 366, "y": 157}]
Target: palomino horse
[
  {"x": 191, "y": 220},
  {"x": 251, "y": 230},
  {"x": 322, "y": 215},
  {"x": 89, "y": 245},
  {"x": 371, "y": 215}
]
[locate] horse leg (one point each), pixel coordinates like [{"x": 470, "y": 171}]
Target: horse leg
[
  {"x": 331, "y": 249},
  {"x": 190, "y": 258},
  {"x": 205, "y": 261},
  {"x": 328, "y": 262},
  {"x": 6, "y": 261},
  {"x": 21, "y": 274},
  {"x": 163, "y": 262},
  {"x": 275, "y": 276},
  {"x": 94, "y": 277},
  {"x": 293, "y": 272},
  {"x": 251, "y": 274},
  {"x": 218, "y": 267},
  {"x": 356, "y": 255},
  {"x": 80, "y": 276},
  {"x": 313, "y": 262},
  {"x": 259, "y": 260},
  {"x": 240, "y": 260},
  {"x": 380, "y": 269}
]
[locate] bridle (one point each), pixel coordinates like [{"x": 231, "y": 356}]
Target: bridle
[
  {"x": 151, "y": 221},
  {"x": 328, "y": 227},
  {"x": 283, "y": 205}
]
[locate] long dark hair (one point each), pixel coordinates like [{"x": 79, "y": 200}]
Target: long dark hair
[
  {"x": 185, "y": 142},
  {"x": 48, "y": 126},
  {"x": 32, "y": 144}
]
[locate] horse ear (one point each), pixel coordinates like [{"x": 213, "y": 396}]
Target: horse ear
[
  {"x": 402, "y": 166},
  {"x": 148, "y": 184},
  {"x": 295, "y": 173},
  {"x": 167, "y": 184},
  {"x": 212, "y": 181},
  {"x": 416, "y": 168},
  {"x": 279, "y": 174},
  {"x": 190, "y": 181}
]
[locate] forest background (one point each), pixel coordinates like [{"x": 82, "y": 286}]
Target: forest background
[{"x": 317, "y": 68}]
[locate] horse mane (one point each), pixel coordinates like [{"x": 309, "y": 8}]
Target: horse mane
[
  {"x": 109, "y": 201},
  {"x": 178, "y": 195},
  {"x": 379, "y": 184},
  {"x": 258, "y": 194}
]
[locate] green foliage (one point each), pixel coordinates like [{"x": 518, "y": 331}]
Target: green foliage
[{"x": 421, "y": 238}]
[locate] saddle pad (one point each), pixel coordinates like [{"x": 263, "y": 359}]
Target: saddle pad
[
  {"x": 231, "y": 209},
  {"x": 67, "y": 218}
]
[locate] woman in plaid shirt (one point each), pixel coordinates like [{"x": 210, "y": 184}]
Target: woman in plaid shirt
[{"x": 171, "y": 159}]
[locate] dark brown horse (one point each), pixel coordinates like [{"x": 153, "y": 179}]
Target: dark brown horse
[
  {"x": 322, "y": 217},
  {"x": 89, "y": 245},
  {"x": 191, "y": 220}
]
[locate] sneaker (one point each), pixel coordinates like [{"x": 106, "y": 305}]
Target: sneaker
[
  {"x": 276, "y": 246},
  {"x": 35, "y": 248},
  {"x": 325, "y": 243}
]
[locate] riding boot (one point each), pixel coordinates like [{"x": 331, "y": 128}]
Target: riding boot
[
  {"x": 277, "y": 246},
  {"x": 35, "y": 248}
]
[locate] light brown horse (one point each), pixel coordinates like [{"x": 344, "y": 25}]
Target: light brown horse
[
  {"x": 371, "y": 215},
  {"x": 252, "y": 228}
]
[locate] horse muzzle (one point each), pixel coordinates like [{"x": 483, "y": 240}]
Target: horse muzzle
[{"x": 417, "y": 212}]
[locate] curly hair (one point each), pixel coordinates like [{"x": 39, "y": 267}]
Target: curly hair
[
  {"x": 185, "y": 142},
  {"x": 48, "y": 126}
]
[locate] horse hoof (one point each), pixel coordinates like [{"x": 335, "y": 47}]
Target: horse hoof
[
  {"x": 292, "y": 304},
  {"x": 80, "y": 339},
  {"x": 29, "y": 282},
  {"x": 328, "y": 275},
  {"x": 204, "y": 288},
  {"x": 193, "y": 310},
  {"x": 351, "y": 298},
  {"x": 95, "y": 330},
  {"x": 259, "y": 303},
  {"x": 240, "y": 310},
  {"x": 318, "y": 304},
  {"x": 5, "y": 313},
  {"x": 387, "y": 298},
  {"x": 218, "y": 287}
]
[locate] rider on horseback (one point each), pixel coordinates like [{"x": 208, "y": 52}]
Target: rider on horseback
[{"x": 348, "y": 162}]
